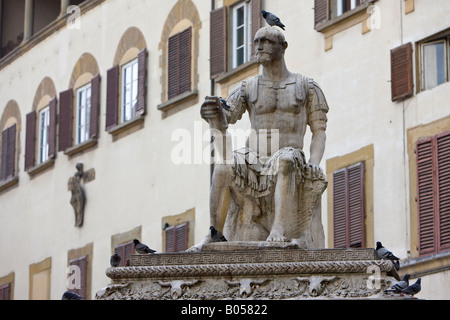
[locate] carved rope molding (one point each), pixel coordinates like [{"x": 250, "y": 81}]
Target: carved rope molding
[{"x": 182, "y": 271}]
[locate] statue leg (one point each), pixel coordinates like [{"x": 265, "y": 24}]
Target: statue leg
[
  {"x": 284, "y": 198},
  {"x": 220, "y": 195}
]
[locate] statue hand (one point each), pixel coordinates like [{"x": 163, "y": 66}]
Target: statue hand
[
  {"x": 211, "y": 108},
  {"x": 314, "y": 171}
]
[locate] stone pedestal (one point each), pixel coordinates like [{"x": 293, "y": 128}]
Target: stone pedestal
[{"x": 253, "y": 270}]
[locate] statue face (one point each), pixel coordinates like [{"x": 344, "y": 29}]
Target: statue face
[{"x": 268, "y": 47}]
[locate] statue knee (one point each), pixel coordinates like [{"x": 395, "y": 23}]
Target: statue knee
[{"x": 285, "y": 164}]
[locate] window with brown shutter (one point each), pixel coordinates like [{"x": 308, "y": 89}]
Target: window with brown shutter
[
  {"x": 8, "y": 158},
  {"x": 177, "y": 238},
  {"x": 125, "y": 251},
  {"x": 82, "y": 264},
  {"x": 349, "y": 207},
  {"x": 218, "y": 42},
  {"x": 142, "y": 83},
  {"x": 321, "y": 12},
  {"x": 95, "y": 106},
  {"x": 401, "y": 72},
  {"x": 52, "y": 129},
  {"x": 112, "y": 97},
  {"x": 30, "y": 143},
  {"x": 433, "y": 193},
  {"x": 5, "y": 292},
  {"x": 65, "y": 119},
  {"x": 179, "y": 64}
]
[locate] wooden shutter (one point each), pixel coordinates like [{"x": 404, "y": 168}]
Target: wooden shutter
[
  {"x": 443, "y": 171},
  {"x": 5, "y": 292},
  {"x": 142, "y": 83},
  {"x": 321, "y": 12},
  {"x": 52, "y": 129},
  {"x": 256, "y": 6},
  {"x": 95, "y": 107},
  {"x": 185, "y": 61},
  {"x": 65, "y": 120},
  {"x": 30, "y": 143},
  {"x": 401, "y": 72},
  {"x": 173, "y": 63},
  {"x": 125, "y": 251},
  {"x": 179, "y": 63},
  {"x": 433, "y": 193},
  {"x": 8, "y": 160},
  {"x": 349, "y": 207},
  {"x": 82, "y": 264},
  {"x": 425, "y": 196},
  {"x": 218, "y": 42},
  {"x": 112, "y": 98},
  {"x": 177, "y": 238}
]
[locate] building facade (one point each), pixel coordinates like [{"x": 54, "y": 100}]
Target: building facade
[{"x": 106, "y": 95}]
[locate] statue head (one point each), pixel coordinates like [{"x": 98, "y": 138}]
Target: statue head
[{"x": 270, "y": 44}]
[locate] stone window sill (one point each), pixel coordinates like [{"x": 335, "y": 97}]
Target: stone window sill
[
  {"x": 419, "y": 267},
  {"x": 128, "y": 127},
  {"x": 236, "y": 72},
  {"x": 8, "y": 183},
  {"x": 79, "y": 148},
  {"x": 182, "y": 98},
  {"x": 41, "y": 167}
]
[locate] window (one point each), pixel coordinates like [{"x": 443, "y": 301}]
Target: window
[
  {"x": 179, "y": 63},
  {"x": 79, "y": 283},
  {"x": 339, "y": 7},
  {"x": 44, "y": 126},
  {"x": 129, "y": 90},
  {"x": 126, "y": 93},
  {"x": 401, "y": 72},
  {"x": 433, "y": 193},
  {"x": 5, "y": 292},
  {"x": 125, "y": 251},
  {"x": 177, "y": 238},
  {"x": 83, "y": 114},
  {"x": 349, "y": 207},
  {"x": 435, "y": 63},
  {"x": 241, "y": 27},
  {"x": 8, "y": 153}
]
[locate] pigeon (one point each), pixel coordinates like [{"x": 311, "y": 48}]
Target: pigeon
[
  {"x": 384, "y": 253},
  {"x": 115, "y": 260},
  {"x": 272, "y": 20},
  {"x": 414, "y": 288},
  {"x": 71, "y": 296},
  {"x": 399, "y": 286},
  {"x": 142, "y": 248},
  {"x": 216, "y": 236}
]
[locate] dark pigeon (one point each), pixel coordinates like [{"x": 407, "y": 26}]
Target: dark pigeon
[
  {"x": 399, "y": 286},
  {"x": 414, "y": 288},
  {"x": 142, "y": 248},
  {"x": 71, "y": 296},
  {"x": 216, "y": 236},
  {"x": 384, "y": 253},
  {"x": 115, "y": 260},
  {"x": 272, "y": 20}
]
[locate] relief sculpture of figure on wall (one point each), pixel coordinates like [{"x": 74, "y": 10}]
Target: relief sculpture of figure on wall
[
  {"x": 78, "y": 199},
  {"x": 268, "y": 191}
]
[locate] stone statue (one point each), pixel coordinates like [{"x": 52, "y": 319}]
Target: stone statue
[
  {"x": 262, "y": 192},
  {"x": 78, "y": 198}
]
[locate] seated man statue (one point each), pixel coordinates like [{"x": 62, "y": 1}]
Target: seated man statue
[{"x": 262, "y": 192}]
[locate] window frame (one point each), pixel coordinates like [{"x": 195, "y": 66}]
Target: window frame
[
  {"x": 129, "y": 108},
  {"x": 43, "y": 155},
  {"x": 81, "y": 137},
  {"x": 247, "y": 26},
  {"x": 339, "y": 7},
  {"x": 446, "y": 41}
]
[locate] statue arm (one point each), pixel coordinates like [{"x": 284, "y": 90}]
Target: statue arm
[
  {"x": 317, "y": 120},
  {"x": 237, "y": 104}
]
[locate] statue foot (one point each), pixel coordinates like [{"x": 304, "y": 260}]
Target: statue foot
[{"x": 276, "y": 236}]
